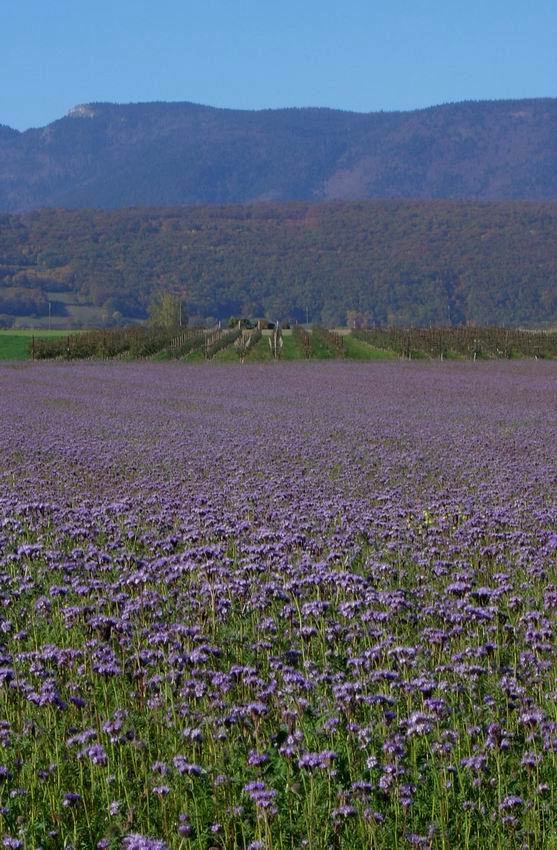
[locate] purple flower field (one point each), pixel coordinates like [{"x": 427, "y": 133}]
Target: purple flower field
[{"x": 303, "y": 606}]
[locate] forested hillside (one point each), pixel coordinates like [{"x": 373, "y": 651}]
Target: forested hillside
[
  {"x": 108, "y": 156},
  {"x": 404, "y": 262}
]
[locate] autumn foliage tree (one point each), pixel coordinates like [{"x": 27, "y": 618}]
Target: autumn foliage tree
[{"x": 167, "y": 310}]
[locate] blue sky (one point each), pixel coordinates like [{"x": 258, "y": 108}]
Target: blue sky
[{"x": 360, "y": 54}]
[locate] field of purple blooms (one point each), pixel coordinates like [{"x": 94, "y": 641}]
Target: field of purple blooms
[{"x": 304, "y": 606}]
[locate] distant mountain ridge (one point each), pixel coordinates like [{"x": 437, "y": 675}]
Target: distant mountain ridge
[{"x": 110, "y": 156}]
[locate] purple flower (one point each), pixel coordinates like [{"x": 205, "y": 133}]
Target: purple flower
[
  {"x": 314, "y": 761},
  {"x": 510, "y": 802},
  {"x": 185, "y": 828},
  {"x": 96, "y": 753},
  {"x": 343, "y": 812},
  {"x": 263, "y": 797},
  {"x": 255, "y": 759},
  {"x": 185, "y": 767},
  {"x": 161, "y": 790},
  {"x": 140, "y": 842}
]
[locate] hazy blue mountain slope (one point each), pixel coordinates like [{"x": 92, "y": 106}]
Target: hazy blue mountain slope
[{"x": 110, "y": 156}]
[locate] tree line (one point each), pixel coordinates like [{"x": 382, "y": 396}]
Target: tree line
[{"x": 364, "y": 263}]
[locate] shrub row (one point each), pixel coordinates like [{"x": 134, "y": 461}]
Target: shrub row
[
  {"x": 303, "y": 340},
  {"x": 220, "y": 339},
  {"x": 473, "y": 342},
  {"x": 137, "y": 341},
  {"x": 330, "y": 340}
]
